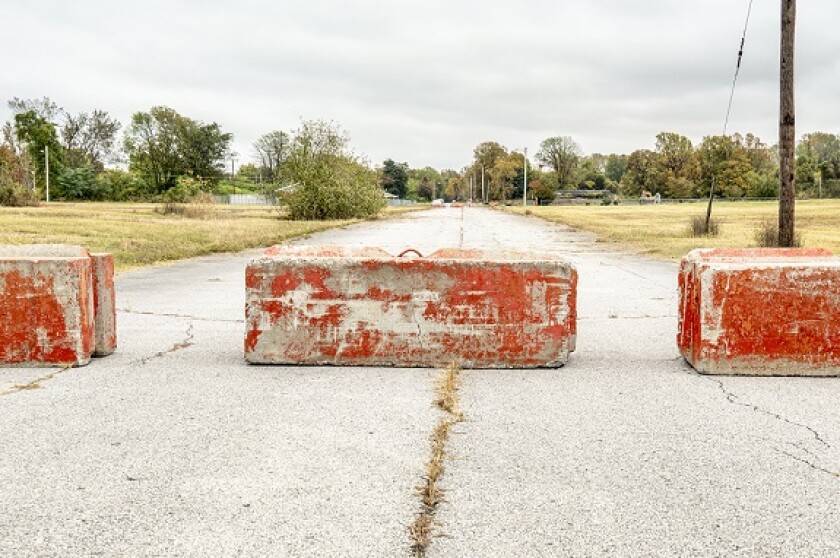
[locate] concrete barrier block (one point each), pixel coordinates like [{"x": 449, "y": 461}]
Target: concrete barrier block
[
  {"x": 46, "y": 305},
  {"x": 760, "y": 311},
  {"x": 104, "y": 305},
  {"x": 346, "y": 306}
]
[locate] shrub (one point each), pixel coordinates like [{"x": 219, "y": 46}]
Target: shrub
[
  {"x": 185, "y": 190},
  {"x": 199, "y": 206},
  {"x": 767, "y": 235},
  {"x": 78, "y": 184},
  {"x": 329, "y": 182},
  {"x": 347, "y": 191},
  {"x": 13, "y": 194},
  {"x": 120, "y": 185},
  {"x": 697, "y": 226}
]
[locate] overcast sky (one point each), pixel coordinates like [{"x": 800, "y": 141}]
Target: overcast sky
[{"x": 425, "y": 81}]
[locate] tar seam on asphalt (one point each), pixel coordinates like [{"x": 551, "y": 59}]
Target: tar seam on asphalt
[
  {"x": 430, "y": 492},
  {"x": 34, "y": 384}
]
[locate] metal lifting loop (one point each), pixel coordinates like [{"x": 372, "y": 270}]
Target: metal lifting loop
[{"x": 404, "y": 252}]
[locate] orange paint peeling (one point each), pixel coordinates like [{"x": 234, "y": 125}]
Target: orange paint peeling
[
  {"x": 519, "y": 311},
  {"x": 764, "y": 312}
]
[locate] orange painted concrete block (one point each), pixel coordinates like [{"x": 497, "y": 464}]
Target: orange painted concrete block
[
  {"x": 345, "y": 306},
  {"x": 770, "y": 312},
  {"x": 104, "y": 304},
  {"x": 47, "y": 307}
]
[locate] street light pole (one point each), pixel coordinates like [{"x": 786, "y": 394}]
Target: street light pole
[
  {"x": 525, "y": 185},
  {"x": 47, "y": 169}
]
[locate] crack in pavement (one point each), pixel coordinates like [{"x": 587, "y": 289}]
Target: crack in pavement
[
  {"x": 34, "y": 384},
  {"x": 184, "y": 316},
  {"x": 733, "y": 398},
  {"x": 187, "y": 342},
  {"x": 423, "y": 529},
  {"x": 813, "y": 466}
]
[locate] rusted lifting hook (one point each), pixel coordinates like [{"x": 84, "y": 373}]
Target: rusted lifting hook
[{"x": 404, "y": 252}]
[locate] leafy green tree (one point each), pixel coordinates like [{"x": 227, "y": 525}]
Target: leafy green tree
[
  {"x": 202, "y": 149},
  {"x": 14, "y": 189},
  {"x": 78, "y": 184},
  {"x": 824, "y": 150},
  {"x": 542, "y": 191},
  {"x": 589, "y": 176},
  {"x": 615, "y": 167},
  {"x": 641, "y": 173},
  {"x": 487, "y": 153},
  {"x": 249, "y": 172},
  {"x": 38, "y": 134},
  {"x": 272, "y": 149},
  {"x": 725, "y": 164},
  {"x": 151, "y": 142},
  {"x": 677, "y": 165},
  {"x": 43, "y": 107},
  {"x": 121, "y": 185},
  {"x": 329, "y": 181},
  {"x": 562, "y": 154},
  {"x": 394, "y": 178},
  {"x": 90, "y": 140},
  {"x": 504, "y": 175},
  {"x": 424, "y": 182},
  {"x": 163, "y": 145}
]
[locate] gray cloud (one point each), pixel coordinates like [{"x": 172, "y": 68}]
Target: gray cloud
[{"x": 425, "y": 82}]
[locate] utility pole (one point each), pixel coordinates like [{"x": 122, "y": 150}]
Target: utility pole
[
  {"x": 47, "y": 169},
  {"x": 787, "y": 127},
  {"x": 232, "y": 156},
  {"x": 483, "y": 198},
  {"x": 525, "y": 184}
]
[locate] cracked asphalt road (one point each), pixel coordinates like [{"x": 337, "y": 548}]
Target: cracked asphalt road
[{"x": 175, "y": 447}]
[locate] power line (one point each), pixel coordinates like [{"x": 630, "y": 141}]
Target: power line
[
  {"x": 729, "y": 107},
  {"x": 737, "y": 67}
]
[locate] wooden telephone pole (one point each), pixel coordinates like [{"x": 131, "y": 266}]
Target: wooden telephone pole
[{"x": 787, "y": 128}]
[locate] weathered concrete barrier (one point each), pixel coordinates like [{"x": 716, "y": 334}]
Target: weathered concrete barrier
[
  {"x": 345, "y": 306},
  {"x": 760, "y": 311},
  {"x": 104, "y": 305},
  {"x": 56, "y": 305}
]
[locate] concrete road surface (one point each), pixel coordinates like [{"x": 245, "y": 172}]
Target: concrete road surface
[{"x": 175, "y": 447}]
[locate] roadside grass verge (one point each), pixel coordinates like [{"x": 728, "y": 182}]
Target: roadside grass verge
[
  {"x": 663, "y": 230},
  {"x": 141, "y": 235}
]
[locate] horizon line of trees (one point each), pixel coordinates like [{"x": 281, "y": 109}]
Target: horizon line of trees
[
  {"x": 164, "y": 155},
  {"x": 737, "y": 165}
]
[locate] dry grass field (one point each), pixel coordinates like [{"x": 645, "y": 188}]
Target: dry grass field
[
  {"x": 140, "y": 235},
  {"x": 664, "y": 230}
]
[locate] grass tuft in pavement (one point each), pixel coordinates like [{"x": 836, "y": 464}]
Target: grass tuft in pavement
[{"x": 430, "y": 492}]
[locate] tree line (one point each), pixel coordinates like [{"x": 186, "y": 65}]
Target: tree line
[
  {"x": 736, "y": 166},
  {"x": 167, "y": 154},
  {"x": 164, "y": 155}
]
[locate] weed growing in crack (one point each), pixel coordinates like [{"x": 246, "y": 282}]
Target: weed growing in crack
[{"x": 430, "y": 492}]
